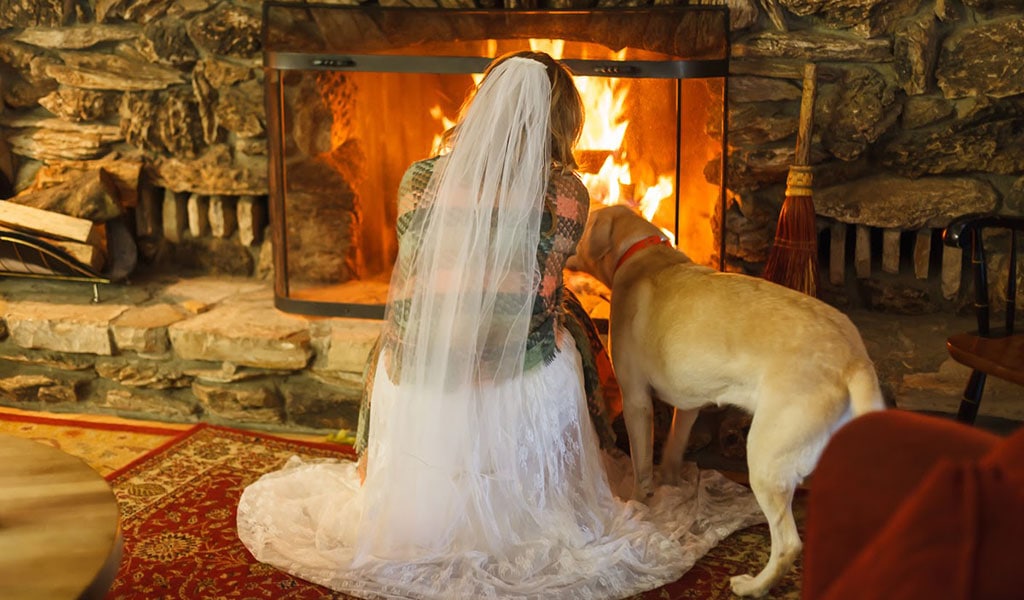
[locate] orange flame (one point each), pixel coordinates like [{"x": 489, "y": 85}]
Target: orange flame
[{"x": 605, "y": 127}]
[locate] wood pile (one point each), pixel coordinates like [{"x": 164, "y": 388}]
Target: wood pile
[{"x": 70, "y": 208}]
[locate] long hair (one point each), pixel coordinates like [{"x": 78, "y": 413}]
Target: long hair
[{"x": 566, "y": 114}]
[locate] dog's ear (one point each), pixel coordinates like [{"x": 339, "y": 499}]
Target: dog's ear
[
  {"x": 601, "y": 223},
  {"x": 596, "y": 245},
  {"x": 593, "y": 244}
]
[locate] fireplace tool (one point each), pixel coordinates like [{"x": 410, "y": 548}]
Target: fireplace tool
[{"x": 793, "y": 258}]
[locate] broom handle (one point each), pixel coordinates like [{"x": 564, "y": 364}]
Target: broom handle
[{"x": 803, "y": 134}]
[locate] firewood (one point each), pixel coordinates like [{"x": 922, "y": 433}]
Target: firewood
[
  {"x": 251, "y": 219},
  {"x": 88, "y": 254},
  {"x": 223, "y": 218},
  {"x": 124, "y": 173},
  {"x": 90, "y": 195},
  {"x": 174, "y": 215},
  {"x": 48, "y": 223}
]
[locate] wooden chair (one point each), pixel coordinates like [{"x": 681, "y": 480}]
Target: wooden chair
[{"x": 991, "y": 350}]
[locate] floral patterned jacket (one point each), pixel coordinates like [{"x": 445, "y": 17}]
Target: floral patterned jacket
[{"x": 567, "y": 204}]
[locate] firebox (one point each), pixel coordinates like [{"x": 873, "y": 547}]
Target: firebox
[{"x": 356, "y": 94}]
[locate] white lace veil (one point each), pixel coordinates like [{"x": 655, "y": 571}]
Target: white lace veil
[
  {"x": 471, "y": 284},
  {"x": 468, "y": 295}
]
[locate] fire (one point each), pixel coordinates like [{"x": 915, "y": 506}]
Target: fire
[
  {"x": 606, "y": 168},
  {"x": 604, "y": 131},
  {"x": 438, "y": 114},
  {"x": 651, "y": 201}
]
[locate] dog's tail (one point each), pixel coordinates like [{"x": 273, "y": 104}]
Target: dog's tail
[{"x": 865, "y": 393}]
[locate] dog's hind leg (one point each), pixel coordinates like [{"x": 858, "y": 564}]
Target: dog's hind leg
[
  {"x": 776, "y": 501},
  {"x": 675, "y": 444},
  {"x": 776, "y": 464}
]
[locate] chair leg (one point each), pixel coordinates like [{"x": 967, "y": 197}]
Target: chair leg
[{"x": 972, "y": 398}]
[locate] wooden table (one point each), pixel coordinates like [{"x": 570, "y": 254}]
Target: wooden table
[{"x": 59, "y": 532}]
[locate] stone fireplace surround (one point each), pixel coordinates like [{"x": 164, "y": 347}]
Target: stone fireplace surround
[{"x": 919, "y": 117}]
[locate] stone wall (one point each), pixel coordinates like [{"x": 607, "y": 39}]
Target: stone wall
[
  {"x": 919, "y": 117},
  {"x": 175, "y": 87}
]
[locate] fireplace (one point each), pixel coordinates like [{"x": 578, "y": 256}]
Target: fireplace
[{"x": 356, "y": 94}]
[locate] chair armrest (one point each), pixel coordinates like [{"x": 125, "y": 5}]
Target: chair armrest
[
  {"x": 957, "y": 233},
  {"x": 965, "y": 232}
]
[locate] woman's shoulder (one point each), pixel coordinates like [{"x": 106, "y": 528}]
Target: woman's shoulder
[
  {"x": 567, "y": 184},
  {"x": 426, "y": 163},
  {"x": 420, "y": 167},
  {"x": 566, "y": 175},
  {"x": 416, "y": 176}
]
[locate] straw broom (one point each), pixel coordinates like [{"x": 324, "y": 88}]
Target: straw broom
[{"x": 793, "y": 259}]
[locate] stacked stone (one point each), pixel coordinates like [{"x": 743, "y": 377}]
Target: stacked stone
[
  {"x": 173, "y": 87},
  {"x": 197, "y": 349},
  {"x": 918, "y": 118}
]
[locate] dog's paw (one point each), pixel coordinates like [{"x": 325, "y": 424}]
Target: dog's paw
[
  {"x": 643, "y": 489},
  {"x": 671, "y": 475},
  {"x": 747, "y": 585},
  {"x": 642, "y": 498}
]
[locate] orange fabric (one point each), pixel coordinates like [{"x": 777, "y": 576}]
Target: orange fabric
[
  {"x": 868, "y": 470},
  {"x": 954, "y": 538}
]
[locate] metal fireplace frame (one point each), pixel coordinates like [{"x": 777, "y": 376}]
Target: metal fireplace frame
[{"x": 320, "y": 52}]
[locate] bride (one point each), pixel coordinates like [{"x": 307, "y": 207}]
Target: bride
[{"x": 484, "y": 477}]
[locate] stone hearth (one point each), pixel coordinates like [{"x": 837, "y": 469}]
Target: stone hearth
[
  {"x": 208, "y": 348},
  {"x": 214, "y": 349}
]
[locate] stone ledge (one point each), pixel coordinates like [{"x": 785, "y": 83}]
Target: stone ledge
[{"x": 207, "y": 348}]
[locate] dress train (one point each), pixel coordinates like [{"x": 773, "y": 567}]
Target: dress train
[{"x": 527, "y": 513}]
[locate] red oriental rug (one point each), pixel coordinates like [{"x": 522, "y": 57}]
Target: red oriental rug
[
  {"x": 178, "y": 514},
  {"x": 177, "y": 490},
  {"x": 104, "y": 443},
  {"x": 178, "y": 518}
]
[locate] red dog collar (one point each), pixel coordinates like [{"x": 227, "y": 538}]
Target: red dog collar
[{"x": 651, "y": 240}]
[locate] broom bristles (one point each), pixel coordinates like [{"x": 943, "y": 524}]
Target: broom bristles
[{"x": 793, "y": 259}]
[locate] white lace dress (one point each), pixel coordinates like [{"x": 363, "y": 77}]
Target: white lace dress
[{"x": 528, "y": 513}]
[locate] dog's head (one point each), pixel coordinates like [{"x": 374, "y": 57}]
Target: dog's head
[{"x": 609, "y": 233}]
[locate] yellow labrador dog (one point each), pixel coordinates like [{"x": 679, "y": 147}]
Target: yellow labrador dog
[{"x": 695, "y": 336}]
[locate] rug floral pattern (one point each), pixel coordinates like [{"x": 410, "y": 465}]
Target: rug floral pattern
[
  {"x": 178, "y": 517},
  {"x": 104, "y": 447},
  {"x": 180, "y": 541}
]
